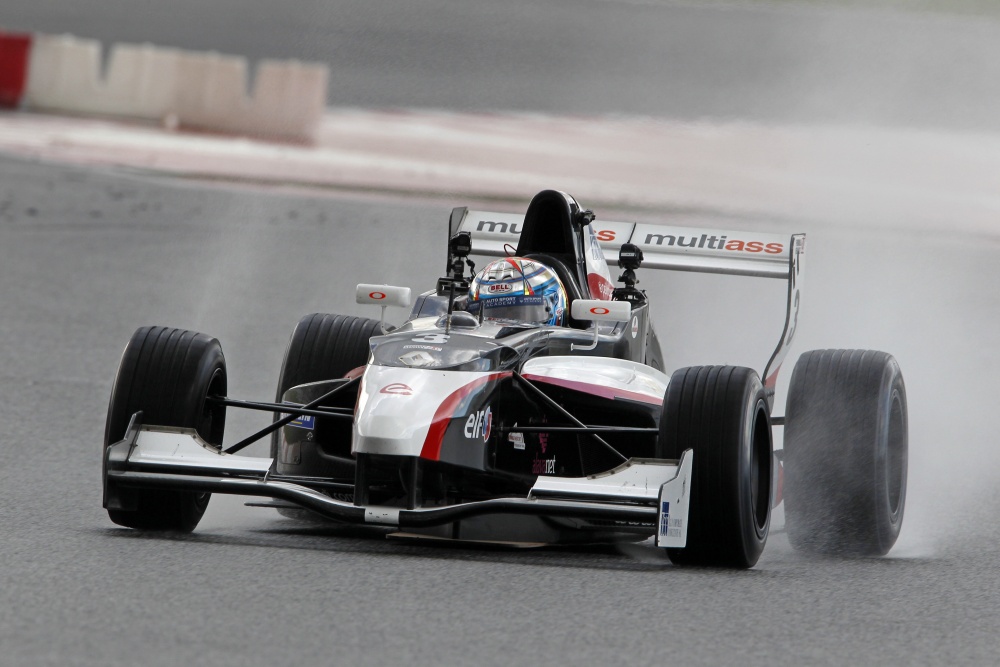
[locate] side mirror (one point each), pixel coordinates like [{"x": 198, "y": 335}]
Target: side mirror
[
  {"x": 598, "y": 311},
  {"x": 601, "y": 311},
  {"x": 383, "y": 295}
]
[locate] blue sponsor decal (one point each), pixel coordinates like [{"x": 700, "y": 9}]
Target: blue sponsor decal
[
  {"x": 304, "y": 421},
  {"x": 664, "y": 518}
]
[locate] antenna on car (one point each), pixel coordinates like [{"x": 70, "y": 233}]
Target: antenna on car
[
  {"x": 459, "y": 248},
  {"x": 583, "y": 217}
]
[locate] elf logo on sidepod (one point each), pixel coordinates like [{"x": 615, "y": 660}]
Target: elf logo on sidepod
[{"x": 479, "y": 424}]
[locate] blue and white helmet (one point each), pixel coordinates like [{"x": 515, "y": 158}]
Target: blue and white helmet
[{"x": 518, "y": 290}]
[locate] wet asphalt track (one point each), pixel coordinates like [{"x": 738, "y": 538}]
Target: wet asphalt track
[{"x": 87, "y": 256}]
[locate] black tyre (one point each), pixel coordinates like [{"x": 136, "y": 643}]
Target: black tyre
[
  {"x": 323, "y": 347},
  {"x": 721, "y": 413},
  {"x": 846, "y": 448},
  {"x": 167, "y": 374}
]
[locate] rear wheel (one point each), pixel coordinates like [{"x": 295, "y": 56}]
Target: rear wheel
[
  {"x": 721, "y": 413},
  {"x": 167, "y": 375},
  {"x": 846, "y": 448}
]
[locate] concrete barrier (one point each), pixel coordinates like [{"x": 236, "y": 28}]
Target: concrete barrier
[
  {"x": 15, "y": 49},
  {"x": 212, "y": 92},
  {"x": 195, "y": 90},
  {"x": 141, "y": 81},
  {"x": 65, "y": 75},
  {"x": 288, "y": 95},
  {"x": 288, "y": 98}
]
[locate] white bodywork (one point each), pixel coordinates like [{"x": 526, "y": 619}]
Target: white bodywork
[
  {"x": 674, "y": 501},
  {"x": 183, "y": 447},
  {"x": 610, "y": 378},
  {"x": 634, "y": 479},
  {"x": 398, "y": 406}
]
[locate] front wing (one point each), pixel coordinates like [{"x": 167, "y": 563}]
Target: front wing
[{"x": 640, "y": 491}]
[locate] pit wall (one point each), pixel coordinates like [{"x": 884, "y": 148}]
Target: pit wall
[{"x": 186, "y": 89}]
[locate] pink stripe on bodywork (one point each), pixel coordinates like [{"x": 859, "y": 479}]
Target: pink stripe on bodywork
[{"x": 597, "y": 389}]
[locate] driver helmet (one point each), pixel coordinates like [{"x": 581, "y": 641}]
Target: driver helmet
[{"x": 518, "y": 290}]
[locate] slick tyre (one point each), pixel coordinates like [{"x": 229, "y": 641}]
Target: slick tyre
[
  {"x": 167, "y": 375},
  {"x": 846, "y": 448},
  {"x": 323, "y": 347},
  {"x": 721, "y": 413}
]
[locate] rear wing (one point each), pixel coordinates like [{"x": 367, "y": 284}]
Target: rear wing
[
  {"x": 673, "y": 248},
  {"x": 739, "y": 253}
]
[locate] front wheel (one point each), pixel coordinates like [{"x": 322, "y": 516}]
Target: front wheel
[
  {"x": 322, "y": 347},
  {"x": 167, "y": 374},
  {"x": 721, "y": 413},
  {"x": 846, "y": 449}
]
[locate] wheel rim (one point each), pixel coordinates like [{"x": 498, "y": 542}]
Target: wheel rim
[
  {"x": 212, "y": 424},
  {"x": 760, "y": 470},
  {"x": 896, "y": 455}
]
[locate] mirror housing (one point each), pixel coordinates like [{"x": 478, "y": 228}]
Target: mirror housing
[
  {"x": 599, "y": 311},
  {"x": 383, "y": 295}
]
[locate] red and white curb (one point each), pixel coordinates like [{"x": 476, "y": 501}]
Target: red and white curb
[{"x": 196, "y": 90}]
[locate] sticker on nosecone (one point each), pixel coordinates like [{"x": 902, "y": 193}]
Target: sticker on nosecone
[
  {"x": 304, "y": 421},
  {"x": 516, "y": 438}
]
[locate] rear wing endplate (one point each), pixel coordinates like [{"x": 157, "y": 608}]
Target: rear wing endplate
[{"x": 739, "y": 253}]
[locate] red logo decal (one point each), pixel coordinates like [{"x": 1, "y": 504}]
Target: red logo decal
[
  {"x": 397, "y": 388},
  {"x": 376, "y": 295},
  {"x": 599, "y": 311}
]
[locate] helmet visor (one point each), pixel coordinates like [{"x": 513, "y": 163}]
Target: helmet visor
[{"x": 519, "y": 308}]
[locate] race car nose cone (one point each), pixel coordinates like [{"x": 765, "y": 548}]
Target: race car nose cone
[{"x": 384, "y": 427}]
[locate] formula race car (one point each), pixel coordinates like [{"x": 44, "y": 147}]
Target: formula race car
[{"x": 527, "y": 403}]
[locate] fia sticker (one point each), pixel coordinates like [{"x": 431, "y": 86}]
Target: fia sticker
[{"x": 669, "y": 527}]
